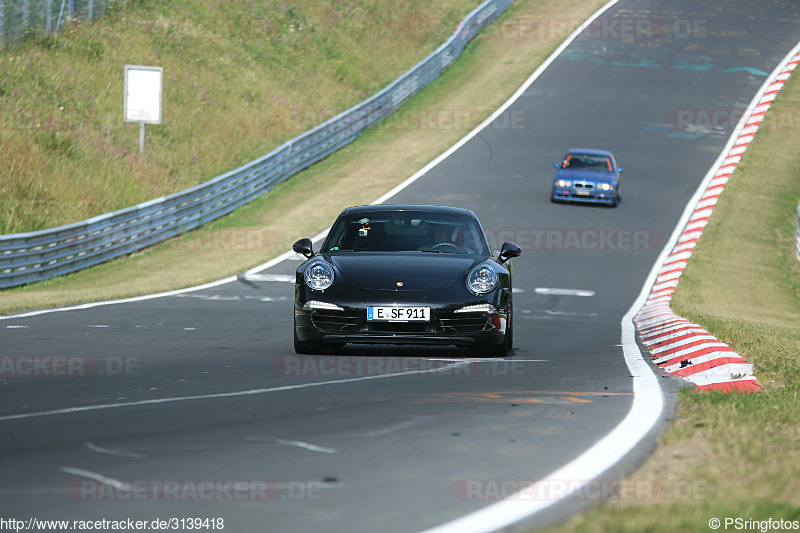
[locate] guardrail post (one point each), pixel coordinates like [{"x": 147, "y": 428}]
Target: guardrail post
[
  {"x": 26, "y": 11},
  {"x": 48, "y": 17},
  {"x": 2, "y": 18}
]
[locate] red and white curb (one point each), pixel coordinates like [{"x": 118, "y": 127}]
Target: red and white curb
[{"x": 678, "y": 346}]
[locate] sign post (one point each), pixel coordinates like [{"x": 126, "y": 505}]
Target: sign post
[{"x": 144, "y": 90}]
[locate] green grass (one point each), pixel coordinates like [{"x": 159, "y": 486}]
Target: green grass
[
  {"x": 240, "y": 79},
  {"x": 736, "y": 455}
]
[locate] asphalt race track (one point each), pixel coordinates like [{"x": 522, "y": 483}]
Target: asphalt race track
[{"x": 198, "y": 403}]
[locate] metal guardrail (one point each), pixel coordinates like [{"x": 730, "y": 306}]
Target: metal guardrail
[
  {"x": 18, "y": 17},
  {"x": 39, "y": 255}
]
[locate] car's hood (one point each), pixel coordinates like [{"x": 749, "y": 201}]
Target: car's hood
[
  {"x": 402, "y": 271},
  {"x": 585, "y": 175}
]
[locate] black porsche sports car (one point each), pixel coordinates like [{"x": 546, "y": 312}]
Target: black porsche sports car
[{"x": 404, "y": 274}]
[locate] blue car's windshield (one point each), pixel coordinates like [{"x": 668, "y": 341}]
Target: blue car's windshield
[
  {"x": 598, "y": 163},
  {"x": 419, "y": 231}
]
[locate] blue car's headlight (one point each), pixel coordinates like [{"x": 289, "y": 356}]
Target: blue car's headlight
[
  {"x": 606, "y": 187},
  {"x": 319, "y": 276},
  {"x": 563, "y": 183},
  {"x": 482, "y": 279}
]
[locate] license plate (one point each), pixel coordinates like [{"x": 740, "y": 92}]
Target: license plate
[
  {"x": 582, "y": 193},
  {"x": 398, "y": 314}
]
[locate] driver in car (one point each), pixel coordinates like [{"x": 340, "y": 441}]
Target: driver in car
[{"x": 441, "y": 236}]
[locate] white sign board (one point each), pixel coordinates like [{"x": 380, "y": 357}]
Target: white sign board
[{"x": 143, "y": 94}]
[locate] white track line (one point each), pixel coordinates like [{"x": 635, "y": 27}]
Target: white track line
[
  {"x": 250, "y": 392},
  {"x": 115, "y": 302}
]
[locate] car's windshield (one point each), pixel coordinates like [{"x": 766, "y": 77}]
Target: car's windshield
[
  {"x": 419, "y": 231},
  {"x": 599, "y": 163}
]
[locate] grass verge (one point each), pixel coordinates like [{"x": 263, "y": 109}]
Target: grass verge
[
  {"x": 258, "y": 72},
  {"x": 730, "y": 455},
  {"x": 488, "y": 72}
]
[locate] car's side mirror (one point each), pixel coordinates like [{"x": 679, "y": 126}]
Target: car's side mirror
[
  {"x": 556, "y": 165},
  {"x": 507, "y": 251},
  {"x": 619, "y": 169},
  {"x": 304, "y": 246}
]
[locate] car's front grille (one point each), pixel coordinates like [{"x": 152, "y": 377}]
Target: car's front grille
[
  {"x": 465, "y": 323},
  {"x": 399, "y": 327},
  {"x": 354, "y": 321},
  {"x": 584, "y": 186},
  {"x": 336, "y": 321}
]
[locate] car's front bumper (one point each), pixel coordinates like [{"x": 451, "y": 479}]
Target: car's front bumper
[
  {"x": 571, "y": 195},
  {"x": 446, "y": 327}
]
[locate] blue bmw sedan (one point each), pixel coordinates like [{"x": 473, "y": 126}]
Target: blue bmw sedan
[{"x": 587, "y": 176}]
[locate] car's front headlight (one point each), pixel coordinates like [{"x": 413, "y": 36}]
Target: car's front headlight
[
  {"x": 319, "y": 276},
  {"x": 482, "y": 279},
  {"x": 606, "y": 187},
  {"x": 564, "y": 183}
]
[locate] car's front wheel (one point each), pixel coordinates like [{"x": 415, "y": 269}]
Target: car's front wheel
[
  {"x": 502, "y": 349},
  {"x": 307, "y": 347},
  {"x": 617, "y": 198}
]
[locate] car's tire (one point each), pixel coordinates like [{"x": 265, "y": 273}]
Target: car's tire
[
  {"x": 308, "y": 347},
  {"x": 617, "y": 197},
  {"x": 498, "y": 350},
  {"x": 502, "y": 349}
]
